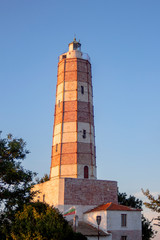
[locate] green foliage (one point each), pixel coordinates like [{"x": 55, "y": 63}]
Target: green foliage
[
  {"x": 43, "y": 179},
  {"x": 153, "y": 204},
  {"x": 147, "y": 229},
  {"x": 39, "y": 221},
  {"x": 19, "y": 218},
  {"x": 131, "y": 201},
  {"x": 15, "y": 181}
]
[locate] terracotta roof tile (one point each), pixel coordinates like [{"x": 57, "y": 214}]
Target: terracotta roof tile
[{"x": 112, "y": 207}]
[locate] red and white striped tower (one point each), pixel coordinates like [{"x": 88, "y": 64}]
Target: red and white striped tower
[
  {"x": 73, "y": 148},
  {"x": 73, "y": 180}
]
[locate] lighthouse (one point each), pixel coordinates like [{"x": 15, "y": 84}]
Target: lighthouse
[
  {"x": 73, "y": 186},
  {"x": 73, "y": 147},
  {"x": 73, "y": 178}
]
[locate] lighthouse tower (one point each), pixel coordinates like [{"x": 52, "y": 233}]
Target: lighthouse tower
[
  {"x": 73, "y": 185},
  {"x": 73, "y": 148},
  {"x": 73, "y": 180}
]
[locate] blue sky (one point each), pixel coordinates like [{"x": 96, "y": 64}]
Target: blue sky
[{"x": 123, "y": 40}]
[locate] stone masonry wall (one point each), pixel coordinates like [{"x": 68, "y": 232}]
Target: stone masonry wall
[
  {"x": 49, "y": 192},
  {"x": 89, "y": 192},
  {"x": 73, "y": 191}
]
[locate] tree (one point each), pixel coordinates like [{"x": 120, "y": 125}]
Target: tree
[
  {"x": 40, "y": 221},
  {"x": 154, "y": 204},
  {"x": 147, "y": 229},
  {"x": 131, "y": 201},
  {"x": 19, "y": 217},
  {"x": 45, "y": 178},
  {"x": 15, "y": 181}
]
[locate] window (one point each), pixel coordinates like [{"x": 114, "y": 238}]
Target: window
[
  {"x": 86, "y": 172},
  {"x": 74, "y": 46},
  {"x": 43, "y": 197},
  {"x": 124, "y": 238},
  {"x": 123, "y": 220},
  {"x": 63, "y": 56},
  {"x": 84, "y": 133},
  {"x": 56, "y": 147},
  {"x": 59, "y": 103},
  {"x": 82, "y": 89}
]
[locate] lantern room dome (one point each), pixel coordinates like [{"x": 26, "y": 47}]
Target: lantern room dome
[{"x": 74, "y": 45}]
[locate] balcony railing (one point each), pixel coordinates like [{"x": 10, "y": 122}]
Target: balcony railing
[
  {"x": 83, "y": 56},
  {"x": 86, "y": 57}
]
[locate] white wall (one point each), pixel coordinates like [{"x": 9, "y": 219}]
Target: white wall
[
  {"x": 111, "y": 220},
  {"x": 91, "y": 218},
  {"x": 80, "y": 209},
  {"x": 114, "y": 220}
]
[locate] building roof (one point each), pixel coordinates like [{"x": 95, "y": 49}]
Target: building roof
[
  {"x": 87, "y": 229},
  {"x": 112, "y": 207}
]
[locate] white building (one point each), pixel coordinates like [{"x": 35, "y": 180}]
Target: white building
[{"x": 122, "y": 222}]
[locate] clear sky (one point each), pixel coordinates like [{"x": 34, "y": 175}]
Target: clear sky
[{"x": 123, "y": 40}]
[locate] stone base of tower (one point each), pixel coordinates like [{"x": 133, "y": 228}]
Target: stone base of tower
[{"x": 84, "y": 194}]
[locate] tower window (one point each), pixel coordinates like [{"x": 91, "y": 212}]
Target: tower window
[
  {"x": 59, "y": 103},
  {"x": 56, "y": 147},
  {"x": 123, "y": 220},
  {"x": 43, "y": 197},
  {"x": 86, "y": 172},
  {"x": 84, "y": 133},
  {"x": 64, "y": 56},
  {"x": 74, "y": 46},
  {"x": 82, "y": 89}
]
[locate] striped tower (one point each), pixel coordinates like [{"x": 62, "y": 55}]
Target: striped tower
[
  {"x": 73, "y": 148},
  {"x": 73, "y": 179}
]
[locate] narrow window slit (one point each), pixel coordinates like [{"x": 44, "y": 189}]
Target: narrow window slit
[
  {"x": 56, "y": 147},
  {"x": 86, "y": 172},
  {"x": 82, "y": 89},
  {"x": 84, "y": 133}
]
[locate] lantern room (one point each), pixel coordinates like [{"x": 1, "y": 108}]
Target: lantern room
[{"x": 74, "y": 45}]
